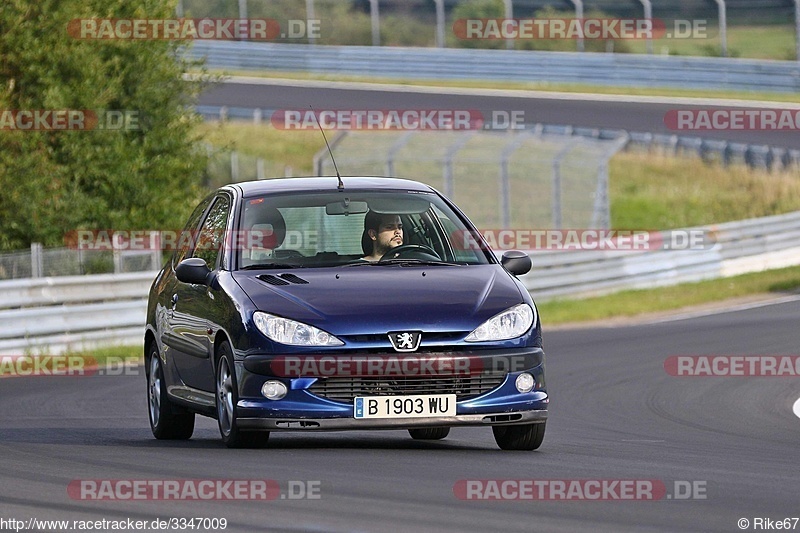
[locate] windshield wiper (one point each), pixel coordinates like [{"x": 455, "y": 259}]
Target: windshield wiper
[
  {"x": 406, "y": 262},
  {"x": 268, "y": 266},
  {"x": 425, "y": 262}
]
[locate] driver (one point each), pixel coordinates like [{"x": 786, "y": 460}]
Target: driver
[{"x": 384, "y": 231}]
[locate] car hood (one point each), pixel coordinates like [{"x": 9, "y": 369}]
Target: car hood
[{"x": 376, "y": 299}]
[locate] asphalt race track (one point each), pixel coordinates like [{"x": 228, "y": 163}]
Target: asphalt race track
[
  {"x": 615, "y": 415},
  {"x": 575, "y": 110}
]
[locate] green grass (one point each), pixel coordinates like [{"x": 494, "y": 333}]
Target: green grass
[
  {"x": 294, "y": 149},
  {"x": 114, "y": 354},
  {"x": 756, "y": 42},
  {"x": 577, "y": 88},
  {"x": 651, "y": 191},
  {"x": 635, "y": 302},
  {"x": 764, "y": 42}
]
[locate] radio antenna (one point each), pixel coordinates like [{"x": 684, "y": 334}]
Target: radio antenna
[{"x": 341, "y": 184}]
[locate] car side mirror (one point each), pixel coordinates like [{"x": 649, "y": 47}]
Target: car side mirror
[
  {"x": 516, "y": 262},
  {"x": 193, "y": 270}
]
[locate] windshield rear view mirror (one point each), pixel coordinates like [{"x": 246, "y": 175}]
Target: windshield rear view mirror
[
  {"x": 399, "y": 206},
  {"x": 345, "y": 207}
]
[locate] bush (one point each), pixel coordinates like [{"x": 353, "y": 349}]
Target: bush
[{"x": 56, "y": 181}]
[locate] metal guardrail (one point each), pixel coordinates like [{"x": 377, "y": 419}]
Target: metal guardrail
[
  {"x": 73, "y": 289},
  {"x": 740, "y": 247},
  {"x": 62, "y": 314},
  {"x": 55, "y": 315},
  {"x": 627, "y": 70},
  {"x": 753, "y": 155}
]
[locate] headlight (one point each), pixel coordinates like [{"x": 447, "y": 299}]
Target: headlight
[
  {"x": 509, "y": 324},
  {"x": 292, "y": 332}
]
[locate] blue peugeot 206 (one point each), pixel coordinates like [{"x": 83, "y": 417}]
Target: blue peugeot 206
[{"x": 311, "y": 304}]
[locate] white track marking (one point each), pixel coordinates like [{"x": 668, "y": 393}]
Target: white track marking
[{"x": 732, "y": 309}]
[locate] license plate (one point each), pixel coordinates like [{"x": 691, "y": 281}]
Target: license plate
[{"x": 405, "y": 406}]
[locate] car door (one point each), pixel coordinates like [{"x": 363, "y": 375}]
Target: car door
[{"x": 193, "y": 320}]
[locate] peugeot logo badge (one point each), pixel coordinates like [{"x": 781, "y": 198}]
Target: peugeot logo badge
[{"x": 405, "y": 341}]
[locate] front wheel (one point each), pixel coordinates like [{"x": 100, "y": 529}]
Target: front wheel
[
  {"x": 525, "y": 437},
  {"x": 167, "y": 421},
  {"x": 227, "y": 397}
]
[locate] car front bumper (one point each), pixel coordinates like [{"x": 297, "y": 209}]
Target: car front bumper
[
  {"x": 339, "y": 424},
  {"x": 302, "y": 410}
]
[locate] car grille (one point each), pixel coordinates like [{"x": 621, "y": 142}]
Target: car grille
[{"x": 345, "y": 389}]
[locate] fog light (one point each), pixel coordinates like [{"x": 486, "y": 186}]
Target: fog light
[
  {"x": 525, "y": 382},
  {"x": 273, "y": 390}
]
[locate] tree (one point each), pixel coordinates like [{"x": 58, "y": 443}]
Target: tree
[{"x": 56, "y": 181}]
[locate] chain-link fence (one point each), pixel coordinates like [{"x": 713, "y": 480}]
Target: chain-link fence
[
  {"x": 226, "y": 166},
  {"x": 516, "y": 179},
  {"x": 39, "y": 262},
  {"x": 430, "y": 23}
]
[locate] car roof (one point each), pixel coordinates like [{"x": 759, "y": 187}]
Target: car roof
[{"x": 323, "y": 183}]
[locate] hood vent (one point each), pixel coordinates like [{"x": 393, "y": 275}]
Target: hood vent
[
  {"x": 291, "y": 278},
  {"x": 283, "y": 279},
  {"x": 273, "y": 280}
]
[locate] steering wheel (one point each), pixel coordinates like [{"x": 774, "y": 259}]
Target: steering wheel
[{"x": 398, "y": 251}]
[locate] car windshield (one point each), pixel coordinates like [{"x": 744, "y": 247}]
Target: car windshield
[{"x": 316, "y": 229}]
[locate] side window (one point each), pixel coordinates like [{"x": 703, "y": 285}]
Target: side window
[
  {"x": 185, "y": 241},
  {"x": 212, "y": 234},
  {"x": 461, "y": 247}
]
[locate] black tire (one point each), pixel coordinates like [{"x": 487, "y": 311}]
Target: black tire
[
  {"x": 525, "y": 437},
  {"x": 227, "y": 396},
  {"x": 167, "y": 420},
  {"x": 429, "y": 433}
]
